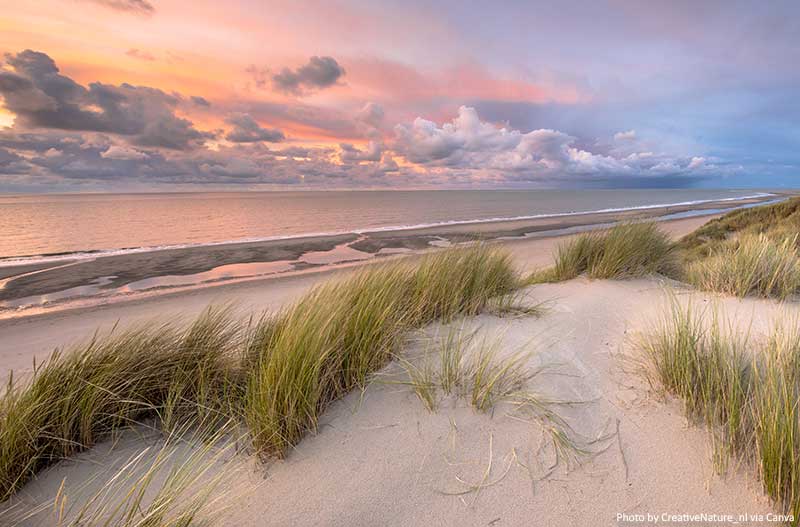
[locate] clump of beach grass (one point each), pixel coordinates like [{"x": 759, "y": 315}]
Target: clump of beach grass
[
  {"x": 776, "y": 221},
  {"x": 746, "y": 393},
  {"x": 479, "y": 372},
  {"x": 182, "y": 479},
  {"x": 469, "y": 368},
  {"x": 82, "y": 395},
  {"x": 776, "y": 416},
  {"x": 330, "y": 341},
  {"x": 753, "y": 264},
  {"x": 493, "y": 378},
  {"x": 627, "y": 250},
  {"x": 515, "y": 305}
]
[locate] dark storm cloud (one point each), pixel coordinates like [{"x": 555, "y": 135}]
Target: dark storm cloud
[
  {"x": 247, "y": 130},
  {"x": 140, "y": 7},
  {"x": 41, "y": 97},
  {"x": 200, "y": 101},
  {"x": 318, "y": 73}
]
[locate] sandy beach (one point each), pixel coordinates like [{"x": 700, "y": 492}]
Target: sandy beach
[
  {"x": 380, "y": 457},
  {"x": 36, "y": 336},
  {"x": 31, "y": 288}
]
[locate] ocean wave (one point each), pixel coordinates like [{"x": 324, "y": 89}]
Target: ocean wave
[{"x": 97, "y": 253}]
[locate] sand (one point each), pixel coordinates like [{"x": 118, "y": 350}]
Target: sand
[
  {"x": 381, "y": 458},
  {"x": 35, "y": 337},
  {"x": 50, "y": 286}
]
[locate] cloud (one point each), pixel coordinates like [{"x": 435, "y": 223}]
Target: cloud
[
  {"x": 200, "y": 101},
  {"x": 247, "y": 130},
  {"x": 630, "y": 135},
  {"x": 122, "y": 152},
  {"x": 97, "y": 162},
  {"x": 318, "y": 73},
  {"x": 467, "y": 143},
  {"x": 349, "y": 153},
  {"x": 41, "y": 97},
  {"x": 139, "y": 54},
  {"x": 139, "y": 7},
  {"x": 697, "y": 162},
  {"x": 371, "y": 114}
]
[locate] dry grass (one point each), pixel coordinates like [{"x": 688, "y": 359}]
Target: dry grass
[
  {"x": 745, "y": 393},
  {"x": 775, "y": 221},
  {"x": 332, "y": 340},
  {"x": 183, "y": 479}
]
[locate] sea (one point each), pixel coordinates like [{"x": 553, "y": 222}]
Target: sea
[{"x": 67, "y": 226}]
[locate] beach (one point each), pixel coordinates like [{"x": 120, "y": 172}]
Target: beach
[
  {"x": 380, "y": 456},
  {"x": 37, "y": 335},
  {"x": 60, "y": 282}
]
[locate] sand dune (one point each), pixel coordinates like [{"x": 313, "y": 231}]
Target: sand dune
[{"x": 380, "y": 457}]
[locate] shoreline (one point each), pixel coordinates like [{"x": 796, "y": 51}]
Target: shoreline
[
  {"x": 36, "y": 261},
  {"x": 36, "y": 334},
  {"x": 32, "y": 289}
]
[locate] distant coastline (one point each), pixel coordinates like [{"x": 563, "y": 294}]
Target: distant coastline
[
  {"x": 33, "y": 285},
  {"x": 46, "y": 258}
]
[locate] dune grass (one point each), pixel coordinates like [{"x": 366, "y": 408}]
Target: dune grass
[
  {"x": 329, "y": 342},
  {"x": 747, "y": 252},
  {"x": 746, "y": 393},
  {"x": 481, "y": 375},
  {"x": 183, "y": 478},
  {"x": 750, "y": 265},
  {"x": 627, "y": 250},
  {"x": 82, "y": 395},
  {"x": 775, "y": 221},
  {"x": 277, "y": 375}
]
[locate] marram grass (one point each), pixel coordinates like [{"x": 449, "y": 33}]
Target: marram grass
[
  {"x": 755, "y": 265},
  {"x": 275, "y": 375},
  {"x": 627, "y": 250},
  {"x": 746, "y": 393},
  {"x": 82, "y": 395},
  {"x": 331, "y": 340}
]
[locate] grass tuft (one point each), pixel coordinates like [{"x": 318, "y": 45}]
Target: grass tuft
[
  {"x": 746, "y": 395},
  {"x": 82, "y": 395},
  {"x": 627, "y": 250},
  {"x": 751, "y": 265},
  {"x": 333, "y": 339}
]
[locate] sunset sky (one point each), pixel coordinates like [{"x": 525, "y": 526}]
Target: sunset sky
[{"x": 141, "y": 95}]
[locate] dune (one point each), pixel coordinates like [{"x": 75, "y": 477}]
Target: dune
[{"x": 381, "y": 457}]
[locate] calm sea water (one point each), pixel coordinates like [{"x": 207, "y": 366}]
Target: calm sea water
[{"x": 32, "y": 225}]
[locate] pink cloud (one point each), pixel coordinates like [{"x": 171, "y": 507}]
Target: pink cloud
[{"x": 397, "y": 82}]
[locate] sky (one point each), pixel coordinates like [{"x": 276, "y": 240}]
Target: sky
[{"x": 151, "y": 95}]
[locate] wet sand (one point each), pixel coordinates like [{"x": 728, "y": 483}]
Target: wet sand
[
  {"x": 35, "y": 336},
  {"x": 48, "y": 284}
]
